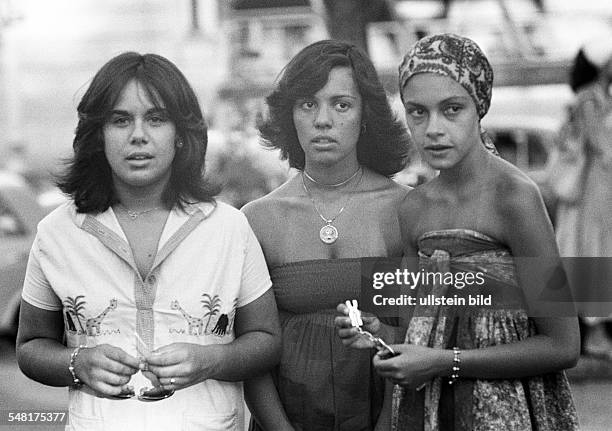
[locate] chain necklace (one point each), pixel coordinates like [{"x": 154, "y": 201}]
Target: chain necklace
[
  {"x": 329, "y": 233},
  {"x": 133, "y": 215},
  {"x": 341, "y": 183}
]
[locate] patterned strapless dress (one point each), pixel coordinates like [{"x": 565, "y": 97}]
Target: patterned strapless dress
[{"x": 535, "y": 403}]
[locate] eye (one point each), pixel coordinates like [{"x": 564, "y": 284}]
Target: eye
[
  {"x": 307, "y": 105},
  {"x": 452, "y": 110},
  {"x": 157, "y": 119},
  {"x": 415, "y": 112},
  {"x": 342, "y": 106},
  {"x": 119, "y": 120}
]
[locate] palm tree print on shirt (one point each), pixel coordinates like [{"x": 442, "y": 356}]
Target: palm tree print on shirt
[
  {"x": 213, "y": 305},
  {"x": 75, "y": 307}
]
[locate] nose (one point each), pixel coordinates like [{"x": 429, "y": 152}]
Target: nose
[
  {"x": 434, "y": 126},
  {"x": 139, "y": 133},
  {"x": 322, "y": 118}
]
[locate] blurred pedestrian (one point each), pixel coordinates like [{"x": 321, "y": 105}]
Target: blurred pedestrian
[
  {"x": 330, "y": 117},
  {"x": 582, "y": 179},
  {"x": 142, "y": 270},
  {"x": 473, "y": 367}
]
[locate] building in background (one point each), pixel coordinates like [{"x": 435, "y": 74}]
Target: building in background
[
  {"x": 233, "y": 50},
  {"x": 49, "y": 55}
]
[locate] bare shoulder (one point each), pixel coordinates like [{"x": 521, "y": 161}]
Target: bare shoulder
[
  {"x": 411, "y": 209},
  {"x": 515, "y": 192},
  {"x": 420, "y": 196},
  {"x": 385, "y": 187},
  {"x": 270, "y": 207},
  {"x": 520, "y": 210}
]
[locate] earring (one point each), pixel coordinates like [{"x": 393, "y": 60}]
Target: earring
[
  {"x": 179, "y": 144},
  {"x": 363, "y": 128}
]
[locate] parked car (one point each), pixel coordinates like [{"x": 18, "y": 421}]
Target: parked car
[{"x": 20, "y": 212}]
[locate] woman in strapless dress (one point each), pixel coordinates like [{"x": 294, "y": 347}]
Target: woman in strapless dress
[
  {"x": 479, "y": 367},
  {"x": 330, "y": 117}
]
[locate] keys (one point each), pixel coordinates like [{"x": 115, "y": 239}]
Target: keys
[{"x": 357, "y": 322}]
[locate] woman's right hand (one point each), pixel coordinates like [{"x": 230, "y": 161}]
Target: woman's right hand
[
  {"x": 349, "y": 334},
  {"x": 106, "y": 369}
]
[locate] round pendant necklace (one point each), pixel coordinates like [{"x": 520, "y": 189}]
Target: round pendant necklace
[
  {"x": 133, "y": 215},
  {"x": 329, "y": 233}
]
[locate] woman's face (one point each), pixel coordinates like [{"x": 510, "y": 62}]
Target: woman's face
[
  {"x": 139, "y": 140},
  {"x": 328, "y": 124},
  {"x": 442, "y": 118}
]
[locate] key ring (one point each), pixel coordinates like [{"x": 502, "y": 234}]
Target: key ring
[{"x": 357, "y": 322}]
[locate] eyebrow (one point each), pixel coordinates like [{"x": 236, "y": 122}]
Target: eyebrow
[
  {"x": 457, "y": 98},
  {"x": 149, "y": 111},
  {"x": 345, "y": 95},
  {"x": 335, "y": 96}
]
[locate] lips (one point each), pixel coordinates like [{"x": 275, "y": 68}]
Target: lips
[
  {"x": 437, "y": 147},
  {"x": 323, "y": 140},
  {"x": 139, "y": 156}
]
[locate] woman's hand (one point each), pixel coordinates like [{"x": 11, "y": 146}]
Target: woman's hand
[
  {"x": 349, "y": 334},
  {"x": 180, "y": 365},
  {"x": 415, "y": 365},
  {"x": 106, "y": 369}
]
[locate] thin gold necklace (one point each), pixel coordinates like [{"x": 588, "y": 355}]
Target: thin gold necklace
[
  {"x": 329, "y": 233},
  {"x": 341, "y": 183},
  {"x": 133, "y": 215}
]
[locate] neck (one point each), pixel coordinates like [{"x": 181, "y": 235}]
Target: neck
[
  {"x": 140, "y": 198},
  {"x": 469, "y": 169},
  {"x": 332, "y": 176}
]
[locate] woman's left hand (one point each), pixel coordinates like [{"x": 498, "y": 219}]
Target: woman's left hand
[
  {"x": 180, "y": 365},
  {"x": 414, "y": 366}
]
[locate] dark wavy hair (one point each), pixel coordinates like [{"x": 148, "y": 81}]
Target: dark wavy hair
[
  {"x": 582, "y": 72},
  {"x": 383, "y": 146},
  {"x": 88, "y": 178}
]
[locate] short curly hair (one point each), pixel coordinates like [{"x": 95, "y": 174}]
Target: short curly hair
[{"x": 382, "y": 147}]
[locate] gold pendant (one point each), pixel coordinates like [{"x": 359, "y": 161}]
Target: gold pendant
[{"x": 328, "y": 234}]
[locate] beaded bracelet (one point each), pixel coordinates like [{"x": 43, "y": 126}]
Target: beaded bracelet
[
  {"x": 75, "y": 380},
  {"x": 456, "y": 365}
]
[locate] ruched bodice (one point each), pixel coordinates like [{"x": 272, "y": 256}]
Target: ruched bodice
[
  {"x": 315, "y": 285},
  {"x": 323, "y": 384}
]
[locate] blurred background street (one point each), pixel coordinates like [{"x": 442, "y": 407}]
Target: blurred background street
[{"x": 231, "y": 52}]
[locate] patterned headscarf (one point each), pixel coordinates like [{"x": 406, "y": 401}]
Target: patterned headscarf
[{"x": 456, "y": 57}]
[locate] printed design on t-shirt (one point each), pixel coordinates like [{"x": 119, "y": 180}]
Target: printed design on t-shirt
[
  {"x": 212, "y": 306},
  {"x": 195, "y": 324},
  {"x": 74, "y": 311}
]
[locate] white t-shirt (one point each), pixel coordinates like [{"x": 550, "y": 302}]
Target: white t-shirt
[{"x": 208, "y": 264}]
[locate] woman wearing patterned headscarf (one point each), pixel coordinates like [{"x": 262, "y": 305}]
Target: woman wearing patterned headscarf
[{"x": 473, "y": 367}]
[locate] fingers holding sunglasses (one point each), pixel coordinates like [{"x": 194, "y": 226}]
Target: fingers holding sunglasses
[
  {"x": 109, "y": 384},
  {"x": 186, "y": 363},
  {"x": 172, "y": 383},
  {"x": 105, "y": 368}
]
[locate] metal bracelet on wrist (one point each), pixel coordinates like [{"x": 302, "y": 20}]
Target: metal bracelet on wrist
[
  {"x": 75, "y": 380},
  {"x": 456, "y": 366}
]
